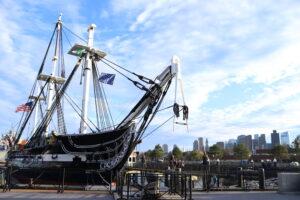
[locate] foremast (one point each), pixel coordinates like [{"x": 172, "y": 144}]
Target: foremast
[{"x": 53, "y": 79}]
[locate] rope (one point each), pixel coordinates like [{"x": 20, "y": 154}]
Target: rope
[
  {"x": 74, "y": 103},
  {"x": 66, "y": 37},
  {"x": 142, "y": 78},
  {"x": 74, "y": 34},
  {"x": 151, "y": 132},
  {"x": 136, "y": 83}
]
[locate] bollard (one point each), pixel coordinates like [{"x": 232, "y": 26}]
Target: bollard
[
  {"x": 128, "y": 184},
  {"x": 240, "y": 177},
  {"x": 262, "y": 179}
]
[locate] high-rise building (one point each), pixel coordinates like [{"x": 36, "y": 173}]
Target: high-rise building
[
  {"x": 249, "y": 142},
  {"x": 221, "y": 145},
  {"x": 275, "y": 138},
  {"x": 285, "y": 140},
  {"x": 262, "y": 144},
  {"x": 206, "y": 145},
  {"x": 230, "y": 144},
  {"x": 241, "y": 139},
  {"x": 196, "y": 145},
  {"x": 165, "y": 148},
  {"x": 200, "y": 143},
  {"x": 255, "y": 142},
  {"x": 245, "y": 140}
]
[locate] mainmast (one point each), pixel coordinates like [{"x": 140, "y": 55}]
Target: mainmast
[{"x": 86, "y": 84}]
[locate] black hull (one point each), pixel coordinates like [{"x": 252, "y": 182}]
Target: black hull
[
  {"x": 87, "y": 159},
  {"x": 54, "y": 176}
]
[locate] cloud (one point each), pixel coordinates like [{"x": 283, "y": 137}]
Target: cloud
[{"x": 221, "y": 44}]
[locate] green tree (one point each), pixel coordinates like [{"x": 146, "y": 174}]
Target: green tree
[
  {"x": 157, "y": 152},
  {"x": 280, "y": 152},
  {"x": 296, "y": 143},
  {"x": 241, "y": 151},
  {"x": 177, "y": 152},
  {"x": 215, "y": 151},
  {"x": 196, "y": 155},
  {"x": 148, "y": 154}
]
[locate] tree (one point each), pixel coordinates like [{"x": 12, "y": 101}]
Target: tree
[
  {"x": 196, "y": 155},
  {"x": 157, "y": 152},
  {"x": 241, "y": 151},
  {"x": 280, "y": 152},
  {"x": 148, "y": 154},
  {"x": 177, "y": 152},
  {"x": 296, "y": 143},
  {"x": 215, "y": 151}
]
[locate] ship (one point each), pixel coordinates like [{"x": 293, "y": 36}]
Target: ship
[{"x": 99, "y": 150}]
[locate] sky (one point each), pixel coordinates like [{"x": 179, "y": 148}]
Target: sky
[{"x": 239, "y": 60}]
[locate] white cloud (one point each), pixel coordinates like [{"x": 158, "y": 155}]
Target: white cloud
[{"x": 219, "y": 42}]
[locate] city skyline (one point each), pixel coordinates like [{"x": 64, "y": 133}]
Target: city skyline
[
  {"x": 257, "y": 142},
  {"x": 240, "y": 62}
]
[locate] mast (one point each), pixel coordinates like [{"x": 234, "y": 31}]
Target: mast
[
  {"x": 36, "y": 114},
  {"x": 86, "y": 84},
  {"x": 51, "y": 89}
]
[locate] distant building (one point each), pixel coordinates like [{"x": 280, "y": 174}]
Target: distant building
[
  {"x": 241, "y": 139},
  {"x": 165, "y": 147},
  {"x": 275, "y": 138},
  {"x": 285, "y": 139},
  {"x": 200, "y": 143},
  {"x": 230, "y": 144},
  {"x": 221, "y": 145},
  {"x": 255, "y": 143},
  {"x": 206, "y": 145},
  {"x": 262, "y": 144},
  {"x": 256, "y": 136},
  {"x": 245, "y": 140},
  {"x": 196, "y": 145}
]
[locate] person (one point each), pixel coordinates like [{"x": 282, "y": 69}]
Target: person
[
  {"x": 143, "y": 160},
  {"x": 206, "y": 165},
  {"x": 252, "y": 163},
  {"x": 205, "y": 159},
  {"x": 215, "y": 179},
  {"x": 275, "y": 162}
]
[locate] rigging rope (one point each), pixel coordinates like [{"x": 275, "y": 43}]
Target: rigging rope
[
  {"x": 39, "y": 72},
  {"x": 151, "y": 132},
  {"x": 70, "y": 99},
  {"x": 102, "y": 96},
  {"x": 75, "y": 34},
  {"x": 142, "y": 78},
  {"x": 136, "y": 83}
]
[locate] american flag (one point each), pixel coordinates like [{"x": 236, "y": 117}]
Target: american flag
[{"x": 24, "y": 107}]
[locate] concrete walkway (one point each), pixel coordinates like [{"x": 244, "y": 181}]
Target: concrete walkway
[
  {"x": 50, "y": 195},
  {"x": 244, "y": 196}
]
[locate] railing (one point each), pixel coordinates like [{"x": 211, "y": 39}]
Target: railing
[
  {"x": 151, "y": 185},
  {"x": 226, "y": 176}
]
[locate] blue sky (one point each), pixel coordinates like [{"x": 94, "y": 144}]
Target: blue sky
[{"x": 240, "y": 62}]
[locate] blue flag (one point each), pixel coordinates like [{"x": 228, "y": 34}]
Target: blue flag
[{"x": 107, "y": 78}]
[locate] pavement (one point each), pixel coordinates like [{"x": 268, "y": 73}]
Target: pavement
[
  {"x": 88, "y": 195},
  {"x": 244, "y": 196},
  {"x": 51, "y": 195}
]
